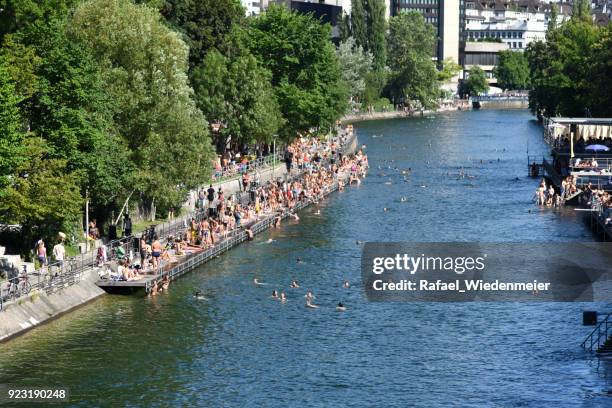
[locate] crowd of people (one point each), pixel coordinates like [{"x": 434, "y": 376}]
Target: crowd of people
[
  {"x": 313, "y": 169},
  {"x": 548, "y": 196}
]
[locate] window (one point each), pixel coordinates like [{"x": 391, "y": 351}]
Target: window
[{"x": 520, "y": 45}]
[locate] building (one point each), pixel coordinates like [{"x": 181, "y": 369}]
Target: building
[
  {"x": 515, "y": 23},
  {"x": 484, "y": 55},
  {"x": 252, "y": 7},
  {"x": 329, "y": 11},
  {"x": 447, "y": 16}
]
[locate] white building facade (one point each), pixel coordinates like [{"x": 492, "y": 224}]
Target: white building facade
[
  {"x": 253, "y": 7},
  {"x": 515, "y": 23}
]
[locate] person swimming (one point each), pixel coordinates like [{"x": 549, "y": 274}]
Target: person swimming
[
  {"x": 309, "y": 296},
  {"x": 257, "y": 282},
  {"x": 199, "y": 295},
  {"x": 346, "y": 284},
  {"x": 274, "y": 294},
  {"x": 341, "y": 307},
  {"x": 283, "y": 297},
  {"x": 310, "y": 304},
  {"x": 294, "y": 284}
]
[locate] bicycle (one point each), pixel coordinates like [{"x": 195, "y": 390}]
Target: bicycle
[{"x": 19, "y": 285}]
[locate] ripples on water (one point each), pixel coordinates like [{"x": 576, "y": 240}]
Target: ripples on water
[{"x": 241, "y": 348}]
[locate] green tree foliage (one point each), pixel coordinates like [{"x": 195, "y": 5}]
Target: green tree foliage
[
  {"x": 18, "y": 14},
  {"x": 42, "y": 196},
  {"x": 144, "y": 67},
  {"x": 562, "y": 71},
  {"x": 581, "y": 10},
  {"x": 449, "y": 70},
  {"x": 237, "y": 92},
  {"x": 376, "y": 29},
  {"x": 205, "y": 24},
  {"x": 512, "y": 71},
  {"x": 413, "y": 74},
  {"x": 476, "y": 82},
  {"x": 601, "y": 75},
  {"x": 355, "y": 64},
  {"x": 359, "y": 26},
  {"x": 345, "y": 27},
  {"x": 70, "y": 109},
  {"x": 305, "y": 70},
  {"x": 11, "y": 134}
]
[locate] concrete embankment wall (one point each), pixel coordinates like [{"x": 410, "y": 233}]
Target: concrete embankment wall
[{"x": 39, "y": 307}]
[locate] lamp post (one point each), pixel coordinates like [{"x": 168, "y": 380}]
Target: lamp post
[
  {"x": 274, "y": 156},
  {"x": 86, "y": 220}
]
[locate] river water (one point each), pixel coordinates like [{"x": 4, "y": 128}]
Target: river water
[{"x": 240, "y": 348}]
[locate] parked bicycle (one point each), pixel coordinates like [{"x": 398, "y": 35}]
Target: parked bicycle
[{"x": 19, "y": 285}]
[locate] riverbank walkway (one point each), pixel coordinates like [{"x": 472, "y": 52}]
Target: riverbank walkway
[{"x": 314, "y": 182}]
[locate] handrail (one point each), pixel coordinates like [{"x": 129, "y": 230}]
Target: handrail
[{"x": 597, "y": 329}]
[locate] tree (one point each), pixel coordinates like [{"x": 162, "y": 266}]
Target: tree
[
  {"x": 205, "y": 24},
  {"x": 237, "y": 92},
  {"x": 601, "y": 75},
  {"x": 69, "y": 107},
  {"x": 359, "y": 27},
  {"x": 345, "y": 27},
  {"x": 355, "y": 64},
  {"x": 449, "y": 70},
  {"x": 11, "y": 134},
  {"x": 19, "y": 14},
  {"x": 581, "y": 10},
  {"x": 42, "y": 197},
  {"x": 376, "y": 29},
  {"x": 562, "y": 70},
  {"x": 410, "y": 43},
  {"x": 144, "y": 67},
  {"x": 512, "y": 71},
  {"x": 476, "y": 82},
  {"x": 305, "y": 70},
  {"x": 552, "y": 19}
]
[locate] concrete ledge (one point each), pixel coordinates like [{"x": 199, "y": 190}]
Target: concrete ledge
[{"x": 38, "y": 308}]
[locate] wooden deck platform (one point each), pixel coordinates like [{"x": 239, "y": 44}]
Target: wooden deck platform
[{"x": 192, "y": 261}]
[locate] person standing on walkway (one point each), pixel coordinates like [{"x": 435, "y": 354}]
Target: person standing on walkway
[
  {"x": 41, "y": 252},
  {"x": 59, "y": 253},
  {"x": 288, "y": 158},
  {"x": 211, "y": 201},
  {"x": 156, "y": 250}
]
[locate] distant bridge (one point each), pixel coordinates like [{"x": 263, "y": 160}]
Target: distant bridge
[{"x": 500, "y": 101}]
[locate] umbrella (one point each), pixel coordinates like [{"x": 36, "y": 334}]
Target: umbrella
[{"x": 597, "y": 148}]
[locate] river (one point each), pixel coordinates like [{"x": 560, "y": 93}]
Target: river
[{"x": 240, "y": 348}]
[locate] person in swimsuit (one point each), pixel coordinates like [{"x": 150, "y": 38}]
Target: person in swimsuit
[{"x": 156, "y": 251}]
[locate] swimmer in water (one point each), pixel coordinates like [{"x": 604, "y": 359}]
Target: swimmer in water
[
  {"x": 299, "y": 260},
  {"x": 318, "y": 212},
  {"x": 309, "y": 296},
  {"x": 403, "y": 199},
  {"x": 311, "y": 305},
  {"x": 294, "y": 284},
  {"x": 283, "y": 297},
  {"x": 341, "y": 307},
  {"x": 346, "y": 284},
  {"x": 274, "y": 294},
  {"x": 270, "y": 240},
  {"x": 257, "y": 282},
  {"x": 295, "y": 216},
  {"x": 198, "y": 295}
]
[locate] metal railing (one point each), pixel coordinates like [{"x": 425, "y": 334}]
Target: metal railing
[
  {"x": 234, "y": 171},
  {"x": 601, "y": 331}
]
